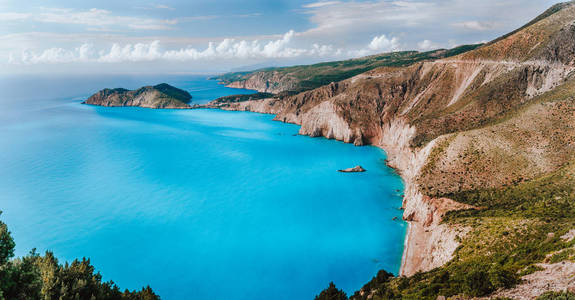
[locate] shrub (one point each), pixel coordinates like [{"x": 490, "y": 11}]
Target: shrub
[{"x": 557, "y": 296}]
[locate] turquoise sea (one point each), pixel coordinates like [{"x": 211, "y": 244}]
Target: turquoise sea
[{"x": 199, "y": 204}]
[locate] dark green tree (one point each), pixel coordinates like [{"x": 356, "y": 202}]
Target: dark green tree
[
  {"x": 6, "y": 244},
  {"x": 331, "y": 293}
]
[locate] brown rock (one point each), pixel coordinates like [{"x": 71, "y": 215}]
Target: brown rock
[{"x": 355, "y": 169}]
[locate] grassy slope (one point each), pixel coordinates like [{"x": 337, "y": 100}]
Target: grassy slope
[{"x": 312, "y": 76}]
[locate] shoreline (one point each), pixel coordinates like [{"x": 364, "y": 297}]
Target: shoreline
[
  {"x": 393, "y": 154},
  {"x": 428, "y": 243},
  {"x": 405, "y": 248}
]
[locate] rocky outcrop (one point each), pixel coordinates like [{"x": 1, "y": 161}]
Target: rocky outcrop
[
  {"x": 264, "y": 106},
  {"x": 556, "y": 277},
  {"x": 265, "y": 82},
  {"x": 158, "y": 96},
  {"x": 356, "y": 169}
]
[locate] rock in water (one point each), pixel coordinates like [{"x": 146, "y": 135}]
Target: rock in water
[
  {"x": 355, "y": 169},
  {"x": 157, "y": 96}
]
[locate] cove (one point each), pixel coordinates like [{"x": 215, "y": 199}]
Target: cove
[{"x": 199, "y": 204}]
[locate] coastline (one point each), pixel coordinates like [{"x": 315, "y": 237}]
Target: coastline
[
  {"x": 428, "y": 242},
  {"x": 394, "y": 141}
]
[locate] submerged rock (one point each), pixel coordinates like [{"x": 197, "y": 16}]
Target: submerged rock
[{"x": 355, "y": 169}]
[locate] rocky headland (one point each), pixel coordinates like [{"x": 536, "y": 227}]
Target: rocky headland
[{"x": 157, "y": 96}]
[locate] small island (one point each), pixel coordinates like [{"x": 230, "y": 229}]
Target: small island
[
  {"x": 356, "y": 169},
  {"x": 158, "y": 96}
]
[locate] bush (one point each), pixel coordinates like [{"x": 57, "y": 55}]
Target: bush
[
  {"x": 557, "y": 296},
  {"x": 502, "y": 278},
  {"x": 476, "y": 283}
]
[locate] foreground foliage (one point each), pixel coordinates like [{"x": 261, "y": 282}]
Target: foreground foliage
[
  {"x": 331, "y": 293},
  {"x": 43, "y": 277}
]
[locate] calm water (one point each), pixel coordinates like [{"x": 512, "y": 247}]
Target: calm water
[{"x": 200, "y": 204}]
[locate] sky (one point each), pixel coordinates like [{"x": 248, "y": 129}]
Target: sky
[{"x": 201, "y": 36}]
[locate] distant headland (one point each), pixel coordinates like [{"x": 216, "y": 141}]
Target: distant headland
[{"x": 158, "y": 96}]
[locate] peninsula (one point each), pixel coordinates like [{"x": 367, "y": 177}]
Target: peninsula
[{"x": 158, "y": 96}]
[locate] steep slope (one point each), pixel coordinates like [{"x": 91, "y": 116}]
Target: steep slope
[
  {"x": 303, "y": 78},
  {"x": 158, "y": 96},
  {"x": 496, "y": 117}
]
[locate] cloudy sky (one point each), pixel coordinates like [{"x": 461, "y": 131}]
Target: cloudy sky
[{"x": 207, "y": 36}]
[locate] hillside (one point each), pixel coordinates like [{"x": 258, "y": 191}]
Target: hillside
[
  {"x": 307, "y": 77},
  {"x": 485, "y": 143},
  {"x": 158, "y": 96}
]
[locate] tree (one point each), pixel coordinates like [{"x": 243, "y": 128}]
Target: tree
[
  {"x": 331, "y": 293},
  {"x": 23, "y": 279},
  {"x": 6, "y": 244}
]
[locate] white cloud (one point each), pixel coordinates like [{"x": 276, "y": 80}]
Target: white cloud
[
  {"x": 226, "y": 49},
  {"x": 378, "y": 44},
  {"x": 345, "y": 16},
  {"x": 320, "y": 4},
  {"x": 382, "y": 43},
  {"x": 93, "y": 17},
  {"x": 162, "y": 6},
  {"x": 427, "y": 45},
  {"x": 476, "y": 25}
]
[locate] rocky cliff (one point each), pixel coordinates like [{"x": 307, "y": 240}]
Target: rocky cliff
[
  {"x": 158, "y": 96},
  {"x": 490, "y": 118}
]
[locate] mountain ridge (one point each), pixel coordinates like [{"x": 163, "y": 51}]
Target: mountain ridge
[{"x": 301, "y": 78}]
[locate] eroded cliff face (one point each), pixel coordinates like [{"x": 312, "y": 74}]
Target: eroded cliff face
[
  {"x": 498, "y": 115},
  {"x": 266, "y": 82}
]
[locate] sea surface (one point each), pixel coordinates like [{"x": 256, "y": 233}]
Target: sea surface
[{"x": 199, "y": 204}]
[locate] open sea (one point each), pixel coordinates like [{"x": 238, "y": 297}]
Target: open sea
[{"x": 199, "y": 204}]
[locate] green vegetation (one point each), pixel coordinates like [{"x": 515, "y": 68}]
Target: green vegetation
[
  {"x": 43, "y": 277},
  {"x": 309, "y": 77},
  {"x": 173, "y": 92},
  {"x": 557, "y": 296},
  {"x": 241, "y": 98},
  {"x": 331, "y": 293}
]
